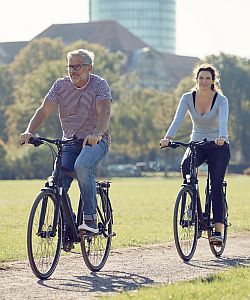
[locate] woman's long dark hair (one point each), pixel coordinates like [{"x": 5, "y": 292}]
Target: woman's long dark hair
[{"x": 215, "y": 76}]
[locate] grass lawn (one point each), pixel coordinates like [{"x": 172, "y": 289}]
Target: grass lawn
[
  {"x": 229, "y": 285},
  {"x": 143, "y": 209}
]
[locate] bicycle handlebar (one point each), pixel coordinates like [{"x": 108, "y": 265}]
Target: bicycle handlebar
[
  {"x": 177, "y": 144},
  {"x": 37, "y": 141}
]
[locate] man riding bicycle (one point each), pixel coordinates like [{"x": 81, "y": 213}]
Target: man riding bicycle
[{"x": 83, "y": 100}]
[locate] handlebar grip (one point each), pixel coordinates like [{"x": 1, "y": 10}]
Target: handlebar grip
[
  {"x": 170, "y": 145},
  {"x": 35, "y": 141},
  {"x": 173, "y": 145}
]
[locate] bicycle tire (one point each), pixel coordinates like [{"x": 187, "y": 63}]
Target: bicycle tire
[
  {"x": 185, "y": 230},
  {"x": 95, "y": 247},
  {"x": 43, "y": 250},
  {"x": 217, "y": 250}
]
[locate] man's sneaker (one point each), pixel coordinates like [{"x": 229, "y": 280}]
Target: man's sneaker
[
  {"x": 216, "y": 239},
  {"x": 89, "y": 225}
]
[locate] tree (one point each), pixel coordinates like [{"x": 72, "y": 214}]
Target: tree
[
  {"x": 6, "y": 97},
  {"x": 139, "y": 117},
  {"x": 33, "y": 55},
  {"x": 33, "y": 72},
  {"x": 29, "y": 97},
  {"x": 235, "y": 78}
]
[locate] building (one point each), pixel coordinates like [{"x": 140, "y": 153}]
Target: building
[
  {"x": 9, "y": 50},
  {"x": 109, "y": 34},
  {"x": 155, "y": 69},
  {"x": 151, "y": 21}
]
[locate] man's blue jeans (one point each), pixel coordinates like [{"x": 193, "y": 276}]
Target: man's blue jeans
[{"x": 83, "y": 161}]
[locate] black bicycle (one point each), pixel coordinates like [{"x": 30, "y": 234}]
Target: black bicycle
[
  {"x": 53, "y": 225},
  {"x": 189, "y": 220}
]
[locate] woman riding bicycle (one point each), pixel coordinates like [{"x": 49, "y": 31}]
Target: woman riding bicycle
[{"x": 208, "y": 109}]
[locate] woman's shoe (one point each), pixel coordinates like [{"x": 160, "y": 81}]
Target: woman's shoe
[{"x": 216, "y": 239}]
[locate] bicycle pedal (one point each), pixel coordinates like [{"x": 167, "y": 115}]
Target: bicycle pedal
[
  {"x": 217, "y": 244},
  {"x": 85, "y": 234}
]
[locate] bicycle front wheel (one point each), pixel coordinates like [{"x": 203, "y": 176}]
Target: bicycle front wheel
[
  {"x": 217, "y": 250},
  {"x": 43, "y": 246},
  {"x": 185, "y": 226},
  {"x": 96, "y": 247}
]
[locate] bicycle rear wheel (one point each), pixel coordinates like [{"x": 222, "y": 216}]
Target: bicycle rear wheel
[
  {"x": 185, "y": 229},
  {"x": 43, "y": 248},
  {"x": 217, "y": 250},
  {"x": 96, "y": 247}
]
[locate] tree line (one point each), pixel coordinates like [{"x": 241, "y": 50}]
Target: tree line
[{"x": 139, "y": 118}]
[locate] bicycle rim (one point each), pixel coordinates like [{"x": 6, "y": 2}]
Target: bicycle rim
[
  {"x": 96, "y": 247},
  {"x": 185, "y": 230},
  {"x": 43, "y": 249},
  {"x": 217, "y": 250}
]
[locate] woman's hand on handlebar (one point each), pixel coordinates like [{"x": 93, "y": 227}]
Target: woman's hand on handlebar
[
  {"x": 25, "y": 137},
  {"x": 220, "y": 141},
  {"x": 164, "y": 142}
]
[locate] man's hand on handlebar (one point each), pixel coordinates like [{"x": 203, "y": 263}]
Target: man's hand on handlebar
[
  {"x": 91, "y": 140},
  {"x": 25, "y": 137}
]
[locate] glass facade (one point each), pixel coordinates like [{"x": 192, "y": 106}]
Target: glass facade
[{"x": 153, "y": 21}]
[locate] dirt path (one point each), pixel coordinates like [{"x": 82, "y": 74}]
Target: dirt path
[{"x": 126, "y": 269}]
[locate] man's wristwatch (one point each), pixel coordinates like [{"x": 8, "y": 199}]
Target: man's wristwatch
[{"x": 97, "y": 133}]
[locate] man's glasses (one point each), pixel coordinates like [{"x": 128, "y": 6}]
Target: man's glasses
[{"x": 75, "y": 67}]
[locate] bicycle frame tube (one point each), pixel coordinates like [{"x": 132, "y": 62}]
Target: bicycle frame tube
[
  {"x": 56, "y": 189},
  {"x": 56, "y": 212},
  {"x": 62, "y": 197},
  {"x": 57, "y": 169},
  {"x": 104, "y": 193},
  {"x": 80, "y": 211},
  {"x": 199, "y": 208},
  {"x": 194, "y": 180},
  {"x": 99, "y": 190},
  {"x": 224, "y": 187},
  {"x": 208, "y": 200},
  {"x": 68, "y": 214}
]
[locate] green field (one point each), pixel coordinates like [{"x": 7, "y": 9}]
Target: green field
[
  {"x": 143, "y": 210},
  {"x": 229, "y": 285}
]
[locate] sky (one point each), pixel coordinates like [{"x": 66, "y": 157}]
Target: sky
[{"x": 202, "y": 27}]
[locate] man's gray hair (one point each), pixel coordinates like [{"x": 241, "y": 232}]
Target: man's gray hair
[{"x": 86, "y": 55}]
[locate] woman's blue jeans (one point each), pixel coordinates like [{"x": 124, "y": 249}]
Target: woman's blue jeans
[{"x": 83, "y": 161}]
